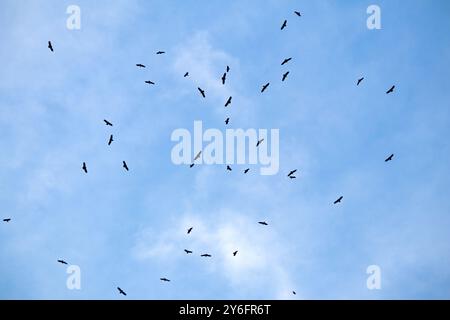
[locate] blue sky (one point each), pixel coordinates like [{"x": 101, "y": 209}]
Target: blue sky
[{"x": 128, "y": 229}]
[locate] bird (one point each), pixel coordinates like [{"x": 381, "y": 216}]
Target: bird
[
  {"x": 294, "y": 292},
  {"x": 235, "y": 253},
  {"x": 229, "y": 168},
  {"x": 84, "y": 167},
  {"x": 285, "y": 76},
  {"x": 164, "y": 279},
  {"x": 286, "y": 61},
  {"x": 62, "y": 262},
  {"x": 160, "y": 52},
  {"x": 198, "y": 155},
  {"x": 50, "y": 46},
  {"x": 224, "y": 77},
  {"x": 189, "y": 230},
  {"x": 227, "y": 120},
  {"x": 292, "y": 177},
  {"x": 191, "y": 165},
  {"x": 298, "y": 13},
  {"x": 263, "y": 223},
  {"x": 121, "y": 291},
  {"x": 108, "y": 123},
  {"x": 228, "y": 102},
  {"x": 110, "y": 140},
  {"x": 140, "y": 65},
  {"x": 246, "y": 170},
  {"x": 202, "y": 92},
  {"x": 187, "y": 251},
  {"x": 259, "y": 142},
  {"x": 7, "y": 220},
  {"x": 206, "y": 255},
  {"x": 124, "y": 165},
  {"x": 284, "y": 24},
  {"x": 149, "y": 82},
  {"x": 264, "y": 87},
  {"x": 389, "y": 158},
  {"x": 390, "y": 90},
  {"x": 338, "y": 200},
  {"x": 359, "y": 81},
  {"x": 228, "y": 69},
  {"x": 292, "y": 172},
  {"x": 186, "y": 74}
]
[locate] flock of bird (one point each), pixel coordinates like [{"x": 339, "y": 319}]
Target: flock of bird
[{"x": 202, "y": 92}]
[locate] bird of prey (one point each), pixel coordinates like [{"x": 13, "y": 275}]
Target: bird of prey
[
  {"x": 84, "y": 167},
  {"x": 259, "y": 142},
  {"x": 121, "y": 291},
  {"x": 390, "y": 90},
  {"x": 286, "y": 61},
  {"x": 202, "y": 92},
  {"x": 149, "y": 82},
  {"x": 50, "y": 46},
  {"x": 285, "y": 76},
  {"x": 110, "y": 140},
  {"x": 264, "y": 87},
  {"x": 187, "y": 251},
  {"x": 160, "y": 52},
  {"x": 235, "y": 253},
  {"x": 228, "y": 101},
  {"x": 206, "y": 255},
  {"x": 284, "y": 24},
  {"x": 229, "y": 168},
  {"x": 164, "y": 279},
  {"x": 140, "y": 65},
  {"x": 108, "y": 123},
  {"x": 227, "y": 120},
  {"x": 246, "y": 170},
  {"x": 263, "y": 223},
  {"x": 7, "y": 220},
  {"x": 389, "y": 158},
  {"x": 298, "y": 13},
  {"x": 224, "y": 77},
  {"x": 124, "y": 165},
  {"x": 62, "y": 262},
  {"x": 186, "y": 74},
  {"x": 338, "y": 200},
  {"x": 189, "y": 230},
  {"x": 198, "y": 155},
  {"x": 359, "y": 81},
  {"x": 228, "y": 69},
  {"x": 292, "y": 172}
]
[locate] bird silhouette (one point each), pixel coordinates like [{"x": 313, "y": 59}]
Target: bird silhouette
[
  {"x": 359, "y": 81},
  {"x": 235, "y": 253},
  {"x": 338, "y": 200},
  {"x": 246, "y": 170},
  {"x": 149, "y": 82},
  {"x": 206, "y": 255},
  {"x": 50, "y": 46},
  {"x": 390, "y": 90},
  {"x": 187, "y": 251},
  {"x": 189, "y": 230},
  {"x": 229, "y": 168},
  {"x": 62, "y": 262},
  {"x": 202, "y": 92},
  {"x": 285, "y": 76},
  {"x": 164, "y": 279},
  {"x": 224, "y": 77},
  {"x": 264, "y": 87},
  {"x": 259, "y": 142},
  {"x": 292, "y": 172},
  {"x": 286, "y": 61},
  {"x": 284, "y": 24},
  {"x": 228, "y": 102},
  {"x": 124, "y": 165},
  {"x": 110, "y": 140},
  {"x": 292, "y": 177},
  {"x": 108, "y": 123},
  {"x": 186, "y": 74},
  {"x": 227, "y": 120},
  {"x": 389, "y": 158},
  {"x": 294, "y": 292},
  {"x": 263, "y": 223},
  {"x": 228, "y": 69},
  {"x": 84, "y": 167},
  {"x": 7, "y": 220},
  {"x": 140, "y": 65},
  {"x": 298, "y": 13},
  {"x": 191, "y": 165},
  {"x": 160, "y": 52},
  {"x": 121, "y": 291}
]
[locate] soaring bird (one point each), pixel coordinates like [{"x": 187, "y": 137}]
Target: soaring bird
[
  {"x": 224, "y": 77},
  {"x": 246, "y": 170},
  {"x": 292, "y": 172},
  {"x": 50, "y": 46},
  {"x": 235, "y": 253},
  {"x": 298, "y": 13},
  {"x": 263, "y": 223},
  {"x": 284, "y": 24},
  {"x": 390, "y": 90},
  {"x": 228, "y": 69},
  {"x": 7, "y": 220},
  {"x": 187, "y": 251},
  {"x": 121, "y": 291},
  {"x": 202, "y": 92},
  {"x": 198, "y": 155},
  {"x": 389, "y": 158},
  {"x": 359, "y": 81},
  {"x": 62, "y": 262},
  {"x": 229, "y": 168},
  {"x": 259, "y": 142},
  {"x": 110, "y": 140},
  {"x": 186, "y": 74},
  {"x": 228, "y": 101},
  {"x": 124, "y": 165},
  {"x": 227, "y": 120},
  {"x": 264, "y": 87},
  {"x": 160, "y": 52},
  {"x": 286, "y": 61},
  {"x": 108, "y": 123},
  {"x": 206, "y": 255},
  {"x": 164, "y": 279},
  {"x": 84, "y": 167},
  {"x": 189, "y": 230},
  {"x": 140, "y": 65},
  {"x": 338, "y": 200},
  {"x": 285, "y": 76},
  {"x": 149, "y": 82}
]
